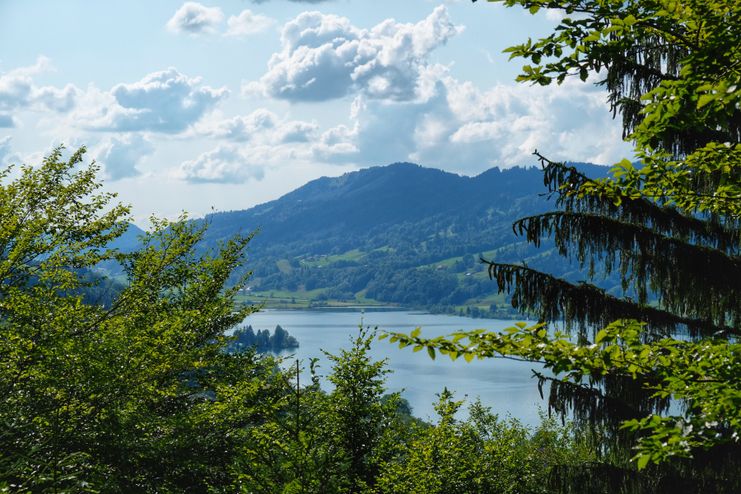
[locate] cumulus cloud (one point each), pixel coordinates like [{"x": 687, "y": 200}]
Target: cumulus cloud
[
  {"x": 166, "y": 101},
  {"x": 241, "y": 128},
  {"x": 295, "y": 131},
  {"x": 57, "y": 99},
  {"x": 18, "y": 90},
  {"x": 15, "y": 91},
  {"x": 247, "y": 23},
  {"x": 224, "y": 164},
  {"x": 458, "y": 126},
  {"x": 260, "y": 126},
  {"x": 555, "y": 15},
  {"x": 340, "y": 145},
  {"x": 325, "y": 57},
  {"x": 195, "y": 18},
  {"x": 121, "y": 155}
]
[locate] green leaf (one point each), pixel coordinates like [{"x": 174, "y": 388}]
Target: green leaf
[
  {"x": 601, "y": 335},
  {"x": 705, "y": 99}
]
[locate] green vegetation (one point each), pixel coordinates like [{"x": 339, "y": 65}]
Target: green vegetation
[
  {"x": 137, "y": 393},
  {"x": 355, "y": 241},
  {"x": 300, "y": 299},
  {"x": 482, "y": 454},
  {"x": 134, "y": 391},
  {"x": 245, "y": 338},
  {"x": 115, "y": 397},
  {"x": 399, "y": 235},
  {"x": 658, "y": 384}
]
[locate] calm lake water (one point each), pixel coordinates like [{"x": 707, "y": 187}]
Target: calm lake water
[{"x": 504, "y": 385}]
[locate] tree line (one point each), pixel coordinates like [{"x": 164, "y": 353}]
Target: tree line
[{"x": 246, "y": 338}]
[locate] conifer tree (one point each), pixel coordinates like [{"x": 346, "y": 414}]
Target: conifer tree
[{"x": 656, "y": 372}]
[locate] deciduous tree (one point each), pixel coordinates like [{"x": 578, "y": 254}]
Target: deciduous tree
[{"x": 136, "y": 395}]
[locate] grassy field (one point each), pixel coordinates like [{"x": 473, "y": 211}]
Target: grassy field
[
  {"x": 305, "y": 300},
  {"x": 282, "y": 299}
]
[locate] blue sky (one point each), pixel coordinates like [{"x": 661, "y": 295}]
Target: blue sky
[{"x": 189, "y": 106}]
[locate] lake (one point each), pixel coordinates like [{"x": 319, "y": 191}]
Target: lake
[{"x": 504, "y": 385}]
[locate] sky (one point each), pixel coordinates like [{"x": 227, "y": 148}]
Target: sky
[{"x": 222, "y": 105}]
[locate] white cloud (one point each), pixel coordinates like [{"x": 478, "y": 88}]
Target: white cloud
[
  {"x": 15, "y": 90},
  {"x": 121, "y": 155},
  {"x": 463, "y": 128},
  {"x": 338, "y": 145},
  {"x": 555, "y": 15},
  {"x": 9, "y": 157},
  {"x": 247, "y": 23},
  {"x": 241, "y": 128},
  {"x": 18, "y": 91},
  {"x": 224, "y": 164},
  {"x": 60, "y": 100},
  {"x": 195, "y": 18},
  {"x": 325, "y": 57},
  {"x": 296, "y": 131},
  {"x": 165, "y": 101},
  {"x": 261, "y": 126}
]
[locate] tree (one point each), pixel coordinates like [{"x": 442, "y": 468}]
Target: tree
[
  {"x": 658, "y": 368},
  {"x": 360, "y": 414},
  {"x": 328, "y": 442},
  {"x": 136, "y": 395},
  {"x": 481, "y": 454}
]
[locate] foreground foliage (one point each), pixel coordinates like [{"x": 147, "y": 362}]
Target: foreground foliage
[
  {"x": 115, "y": 397},
  {"x": 482, "y": 454},
  {"x": 655, "y": 374},
  {"x": 140, "y": 391}
]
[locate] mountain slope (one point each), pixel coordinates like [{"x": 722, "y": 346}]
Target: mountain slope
[
  {"x": 395, "y": 234},
  {"x": 371, "y": 199}
]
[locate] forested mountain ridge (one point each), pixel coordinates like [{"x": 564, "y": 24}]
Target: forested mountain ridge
[
  {"x": 397, "y": 234},
  {"x": 380, "y": 197},
  {"x": 401, "y": 234}
]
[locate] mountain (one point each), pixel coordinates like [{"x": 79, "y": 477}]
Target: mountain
[
  {"x": 129, "y": 240},
  {"x": 362, "y": 203},
  {"x": 399, "y": 234}
]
